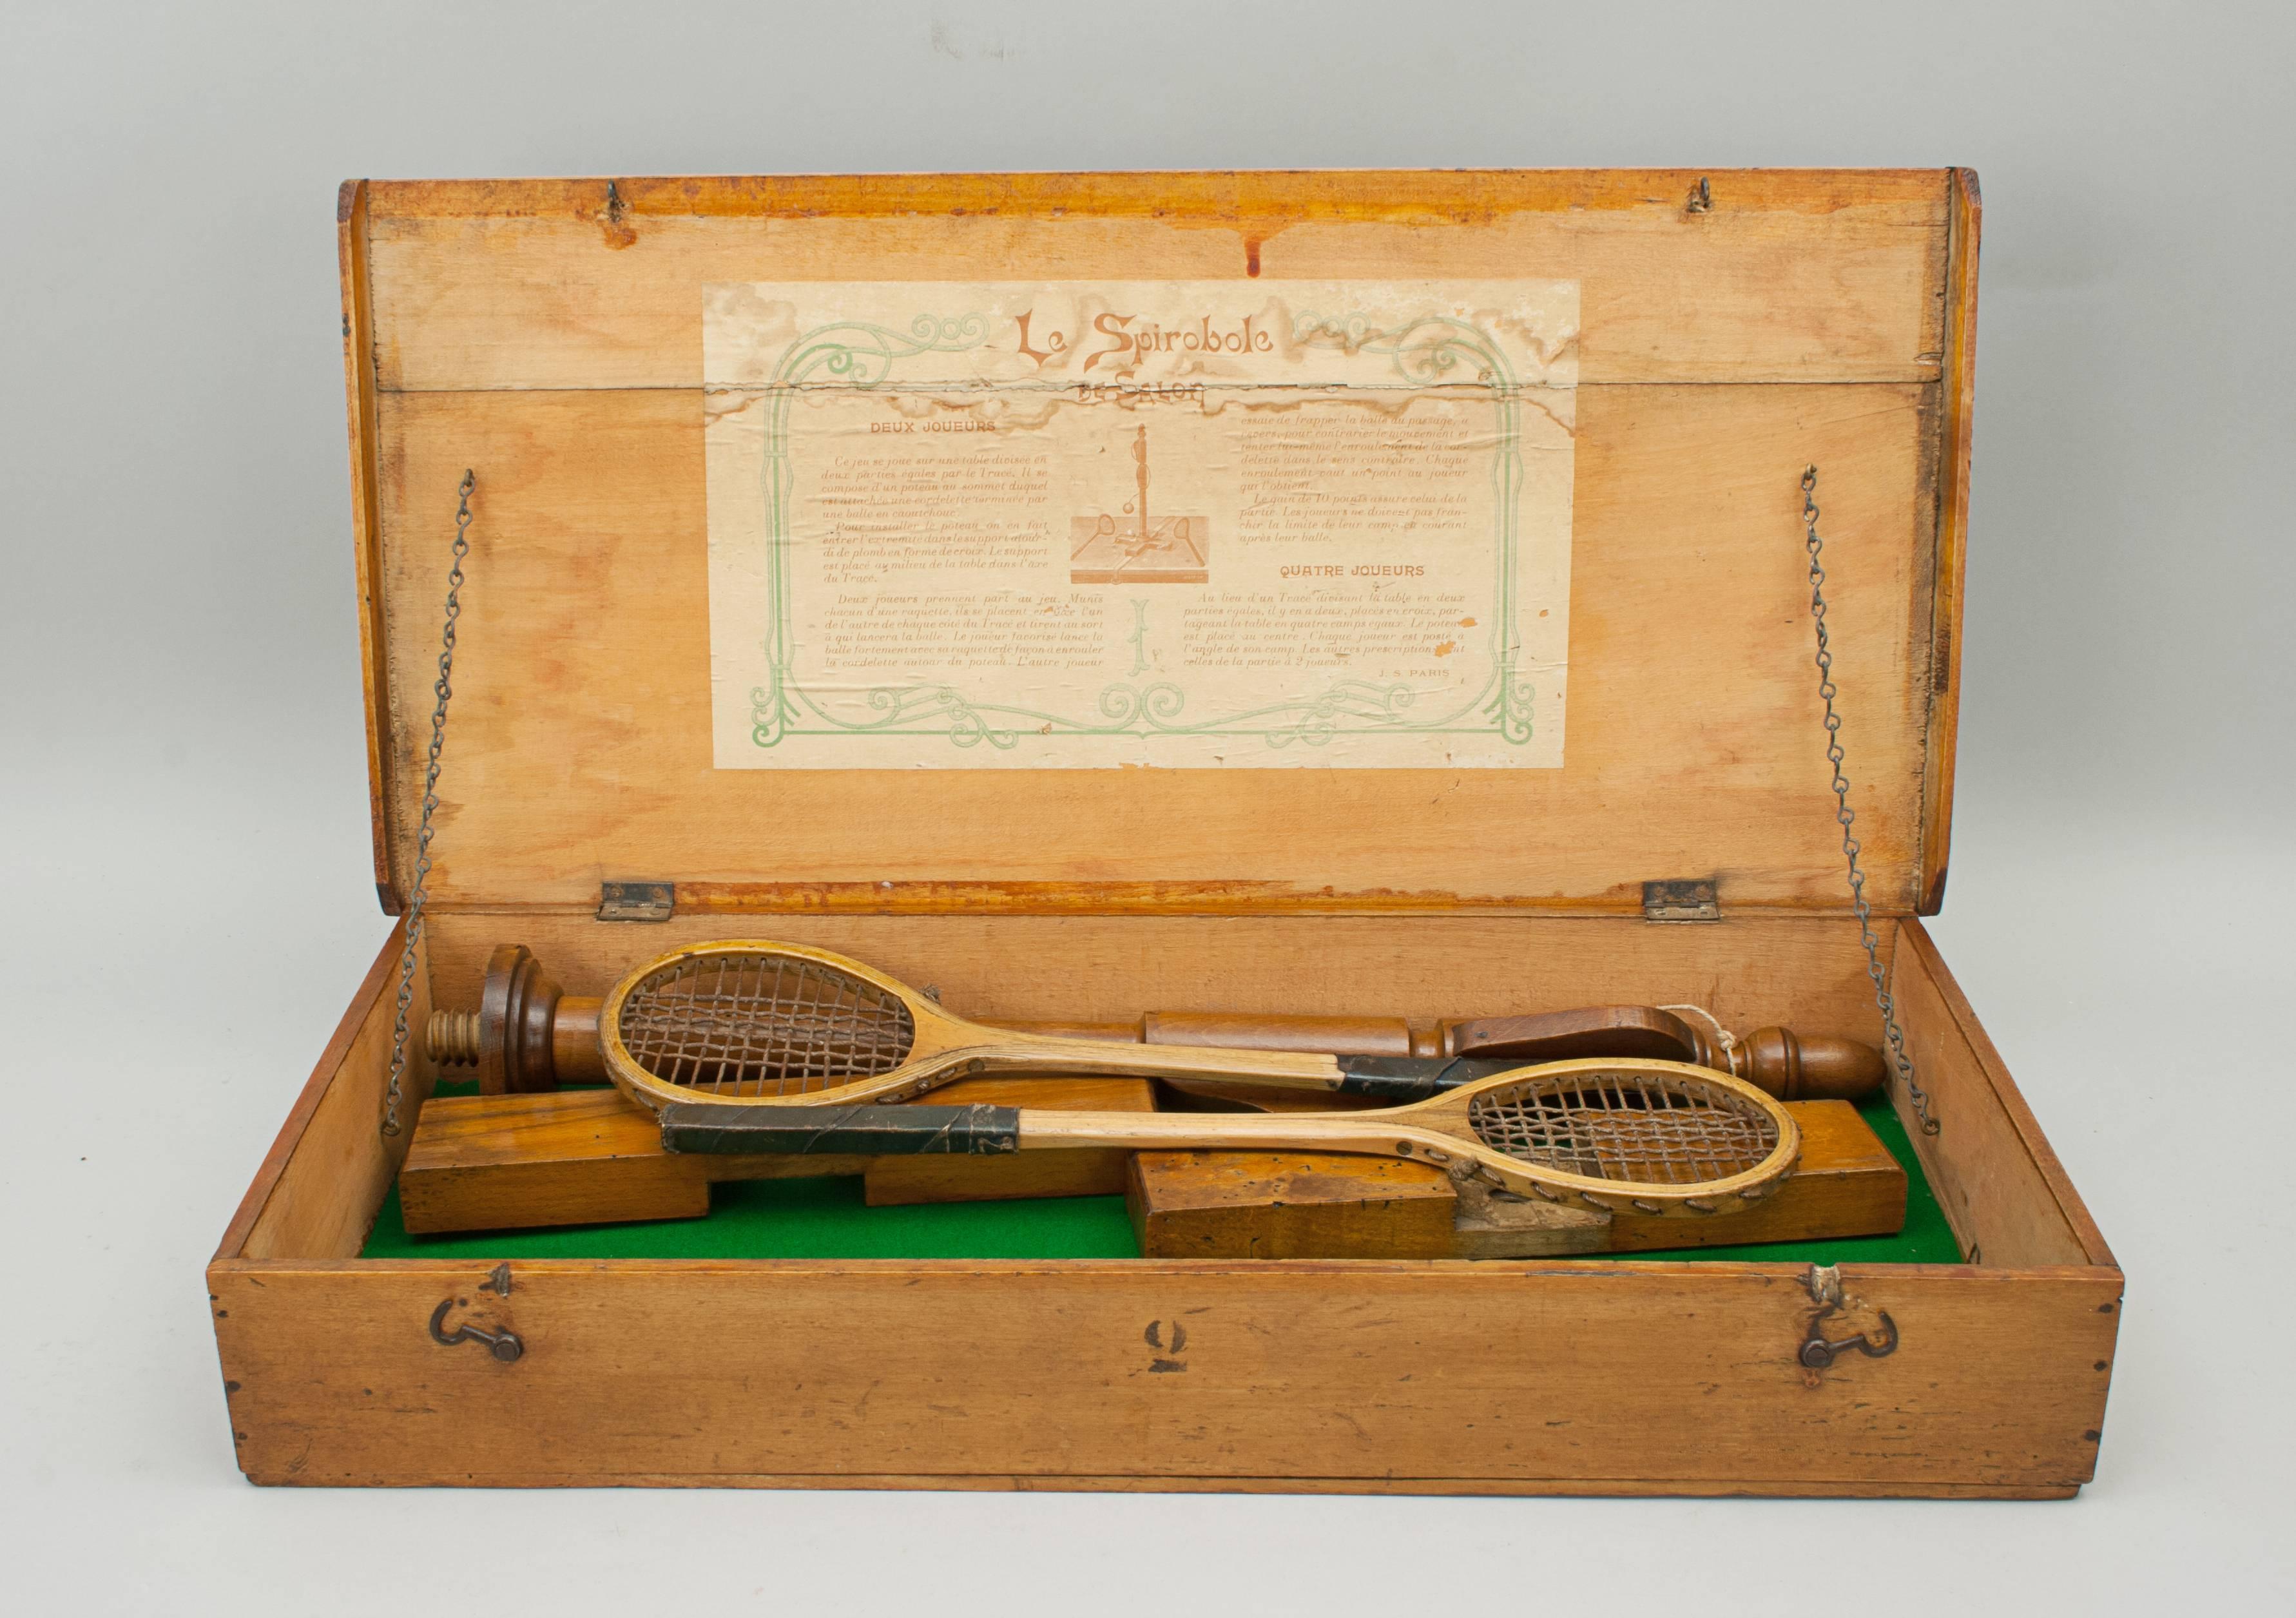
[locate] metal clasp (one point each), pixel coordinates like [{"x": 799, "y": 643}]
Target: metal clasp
[
  {"x": 1681, "y": 899},
  {"x": 636, "y": 901},
  {"x": 1818, "y": 1351},
  {"x": 504, "y": 1345}
]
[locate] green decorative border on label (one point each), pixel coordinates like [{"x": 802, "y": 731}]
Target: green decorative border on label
[{"x": 1426, "y": 351}]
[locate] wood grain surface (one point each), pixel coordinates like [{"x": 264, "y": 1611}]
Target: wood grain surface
[
  {"x": 580, "y": 731},
  {"x": 1324, "y": 1205},
  {"x": 1953, "y": 449},
  {"x": 319, "y": 1189},
  {"x": 555, "y": 346},
  {"x": 1787, "y": 276},
  {"x": 1085, "y": 1367},
  {"x": 1996, "y": 1176},
  {"x": 594, "y": 1157},
  {"x": 1287, "y": 1205}
]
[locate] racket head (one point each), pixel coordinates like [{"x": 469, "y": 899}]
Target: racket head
[
  {"x": 756, "y": 1022},
  {"x": 1628, "y": 1136}
]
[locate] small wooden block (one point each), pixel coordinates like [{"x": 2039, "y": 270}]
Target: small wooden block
[
  {"x": 1287, "y": 1205},
  {"x": 571, "y": 1157},
  {"x": 1239, "y": 1204},
  {"x": 892, "y": 1181}
]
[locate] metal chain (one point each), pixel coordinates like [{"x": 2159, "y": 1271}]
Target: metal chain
[
  {"x": 443, "y": 689},
  {"x": 1847, "y": 817}
]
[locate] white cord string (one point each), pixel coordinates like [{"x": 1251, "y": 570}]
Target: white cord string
[{"x": 1723, "y": 1037}]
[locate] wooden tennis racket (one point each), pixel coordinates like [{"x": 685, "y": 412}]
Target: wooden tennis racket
[
  {"x": 1627, "y": 1136},
  {"x": 527, "y": 1035},
  {"x": 771, "y": 1024}
]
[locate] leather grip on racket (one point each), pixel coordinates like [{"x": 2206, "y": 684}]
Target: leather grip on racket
[
  {"x": 864, "y": 1130},
  {"x": 1397, "y": 1079}
]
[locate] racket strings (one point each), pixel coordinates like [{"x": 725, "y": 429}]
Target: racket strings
[
  {"x": 1626, "y": 1126},
  {"x": 763, "y": 1024}
]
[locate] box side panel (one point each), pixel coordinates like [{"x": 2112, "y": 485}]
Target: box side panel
[
  {"x": 1780, "y": 276},
  {"x": 1658, "y": 1376},
  {"x": 1068, "y": 1484},
  {"x": 276, "y": 1162},
  {"x": 1992, "y": 1169},
  {"x": 1958, "y": 397},
  {"x": 327, "y": 1173},
  {"x": 582, "y": 706},
  {"x": 367, "y": 521}
]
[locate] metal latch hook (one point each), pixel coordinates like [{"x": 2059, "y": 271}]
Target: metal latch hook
[
  {"x": 1818, "y": 1351},
  {"x": 503, "y": 1346}
]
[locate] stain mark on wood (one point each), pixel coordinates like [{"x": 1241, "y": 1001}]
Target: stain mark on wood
[
  {"x": 613, "y": 221},
  {"x": 1167, "y": 1360}
]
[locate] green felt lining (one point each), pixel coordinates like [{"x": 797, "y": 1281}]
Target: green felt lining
[{"x": 826, "y": 1218}]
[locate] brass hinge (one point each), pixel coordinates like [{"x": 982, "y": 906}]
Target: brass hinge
[
  {"x": 636, "y": 901},
  {"x": 1684, "y": 900}
]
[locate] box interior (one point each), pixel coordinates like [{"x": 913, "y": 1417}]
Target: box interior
[
  {"x": 826, "y": 1218},
  {"x": 1998, "y": 1193}
]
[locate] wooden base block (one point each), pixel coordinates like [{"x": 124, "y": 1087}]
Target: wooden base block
[
  {"x": 1493, "y": 1224},
  {"x": 1848, "y": 1185},
  {"x": 1287, "y": 1206},
  {"x": 562, "y": 1157},
  {"x": 483, "y": 1163},
  {"x": 1101, "y": 1172},
  {"x": 593, "y": 1157},
  {"x": 1272, "y": 1205}
]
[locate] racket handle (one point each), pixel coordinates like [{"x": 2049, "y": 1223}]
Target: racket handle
[
  {"x": 1339, "y": 1036},
  {"x": 866, "y": 1131},
  {"x": 1814, "y": 1067},
  {"x": 1810, "y": 1067},
  {"x": 1396, "y": 1080},
  {"x": 1250, "y": 1031},
  {"x": 1589, "y": 1031}
]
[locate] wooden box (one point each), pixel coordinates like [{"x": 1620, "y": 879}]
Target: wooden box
[{"x": 1731, "y": 328}]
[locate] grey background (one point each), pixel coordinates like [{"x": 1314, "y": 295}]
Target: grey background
[{"x": 182, "y": 804}]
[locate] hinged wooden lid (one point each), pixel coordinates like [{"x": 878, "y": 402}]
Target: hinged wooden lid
[{"x": 1734, "y": 328}]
